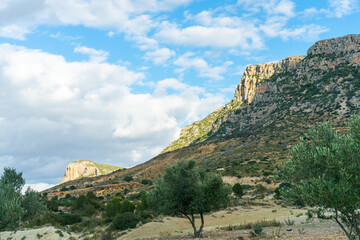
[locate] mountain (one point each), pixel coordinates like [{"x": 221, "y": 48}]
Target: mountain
[
  {"x": 86, "y": 168},
  {"x": 273, "y": 106}
]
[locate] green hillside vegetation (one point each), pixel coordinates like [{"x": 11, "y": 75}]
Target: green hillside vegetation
[{"x": 105, "y": 168}]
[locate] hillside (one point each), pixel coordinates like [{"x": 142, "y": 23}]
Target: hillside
[{"x": 273, "y": 106}]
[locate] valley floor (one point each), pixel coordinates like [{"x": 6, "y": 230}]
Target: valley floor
[{"x": 180, "y": 228}]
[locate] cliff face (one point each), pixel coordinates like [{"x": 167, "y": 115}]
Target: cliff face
[
  {"x": 86, "y": 168},
  {"x": 275, "y": 90},
  {"x": 254, "y": 74}
]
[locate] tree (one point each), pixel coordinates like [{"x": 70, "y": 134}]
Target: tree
[
  {"x": 324, "y": 172},
  {"x": 187, "y": 190},
  {"x": 128, "y": 178},
  {"x": 238, "y": 190},
  {"x": 32, "y": 204},
  {"x": 11, "y": 210},
  {"x": 13, "y": 206}
]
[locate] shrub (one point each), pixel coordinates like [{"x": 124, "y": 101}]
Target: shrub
[
  {"x": 113, "y": 207},
  {"x": 128, "y": 178},
  {"x": 64, "y": 189},
  {"x": 126, "y": 206},
  {"x": 124, "y": 221},
  {"x": 258, "y": 229},
  {"x": 146, "y": 182},
  {"x": 238, "y": 190},
  {"x": 69, "y": 219}
]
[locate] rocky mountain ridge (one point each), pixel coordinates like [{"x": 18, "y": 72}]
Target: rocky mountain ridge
[
  {"x": 324, "y": 55},
  {"x": 273, "y": 106}
]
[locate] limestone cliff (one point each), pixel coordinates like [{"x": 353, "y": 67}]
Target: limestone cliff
[
  {"x": 266, "y": 89},
  {"x": 254, "y": 74},
  {"x": 86, "y": 168}
]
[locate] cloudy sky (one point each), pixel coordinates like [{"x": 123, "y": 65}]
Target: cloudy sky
[{"x": 114, "y": 81}]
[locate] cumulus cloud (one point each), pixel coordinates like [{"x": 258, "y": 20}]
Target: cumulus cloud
[
  {"x": 18, "y": 18},
  {"x": 245, "y": 36},
  {"x": 53, "y": 111},
  {"x": 188, "y": 61},
  {"x": 95, "y": 55},
  {"x": 160, "y": 56},
  {"x": 336, "y": 8},
  {"x": 341, "y": 8}
]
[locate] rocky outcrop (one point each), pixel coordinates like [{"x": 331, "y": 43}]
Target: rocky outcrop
[
  {"x": 86, "y": 168},
  {"x": 254, "y": 74},
  {"x": 346, "y": 44}
]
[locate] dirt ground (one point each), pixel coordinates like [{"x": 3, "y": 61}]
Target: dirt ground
[
  {"x": 44, "y": 233},
  {"x": 240, "y": 215},
  {"x": 180, "y": 228}
]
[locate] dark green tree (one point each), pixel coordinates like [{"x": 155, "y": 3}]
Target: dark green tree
[
  {"x": 238, "y": 190},
  {"x": 324, "y": 172},
  {"x": 13, "y": 206},
  {"x": 188, "y": 191},
  {"x": 128, "y": 178},
  {"x": 11, "y": 210},
  {"x": 32, "y": 204}
]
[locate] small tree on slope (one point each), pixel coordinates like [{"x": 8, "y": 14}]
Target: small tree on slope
[
  {"x": 188, "y": 191},
  {"x": 324, "y": 170}
]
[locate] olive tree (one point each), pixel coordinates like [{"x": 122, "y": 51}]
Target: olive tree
[
  {"x": 324, "y": 172},
  {"x": 189, "y": 191}
]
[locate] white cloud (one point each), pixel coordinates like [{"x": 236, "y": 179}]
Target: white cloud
[
  {"x": 95, "y": 55},
  {"x": 53, "y": 112},
  {"x": 187, "y": 61},
  {"x": 341, "y": 8},
  {"x": 245, "y": 37},
  {"x": 18, "y": 18},
  {"x": 160, "y": 56},
  {"x": 37, "y": 187},
  {"x": 271, "y": 7}
]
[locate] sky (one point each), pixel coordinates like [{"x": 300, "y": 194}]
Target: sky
[{"x": 114, "y": 81}]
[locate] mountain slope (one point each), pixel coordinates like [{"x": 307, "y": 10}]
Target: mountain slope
[{"x": 273, "y": 105}]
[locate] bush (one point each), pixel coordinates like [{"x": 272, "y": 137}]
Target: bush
[
  {"x": 69, "y": 219},
  {"x": 124, "y": 221},
  {"x": 86, "y": 205},
  {"x": 113, "y": 207},
  {"x": 64, "y": 189},
  {"x": 238, "y": 190},
  {"x": 258, "y": 229},
  {"x": 126, "y": 206},
  {"x": 128, "y": 178},
  {"x": 146, "y": 182}
]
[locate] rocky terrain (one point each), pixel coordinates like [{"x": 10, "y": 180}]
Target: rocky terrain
[
  {"x": 86, "y": 168},
  {"x": 273, "y": 106}
]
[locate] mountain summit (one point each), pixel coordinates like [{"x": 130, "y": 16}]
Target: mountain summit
[{"x": 86, "y": 168}]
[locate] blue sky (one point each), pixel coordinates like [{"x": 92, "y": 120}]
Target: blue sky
[{"x": 114, "y": 81}]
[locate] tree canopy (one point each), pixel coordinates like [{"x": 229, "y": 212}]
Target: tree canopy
[
  {"x": 187, "y": 190},
  {"x": 13, "y": 206},
  {"x": 324, "y": 172}
]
